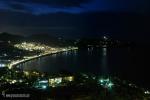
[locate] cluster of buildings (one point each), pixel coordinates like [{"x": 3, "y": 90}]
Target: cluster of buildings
[
  {"x": 22, "y": 52},
  {"x": 79, "y": 83},
  {"x": 53, "y": 82},
  {"x": 32, "y": 46}
]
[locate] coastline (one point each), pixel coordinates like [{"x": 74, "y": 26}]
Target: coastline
[{"x": 17, "y": 62}]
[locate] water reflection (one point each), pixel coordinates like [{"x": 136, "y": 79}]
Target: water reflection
[
  {"x": 104, "y": 51},
  {"x": 90, "y": 50},
  {"x": 114, "y": 61},
  {"x": 75, "y": 52},
  {"x": 104, "y": 66}
]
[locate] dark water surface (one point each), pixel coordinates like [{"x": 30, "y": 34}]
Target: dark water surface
[{"x": 126, "y": 63}]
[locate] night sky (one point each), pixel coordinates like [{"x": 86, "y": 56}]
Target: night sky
[{"x": 76, "y": 18}]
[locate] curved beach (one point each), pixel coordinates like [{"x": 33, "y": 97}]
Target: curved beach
[{"x": 17, "y": 62}]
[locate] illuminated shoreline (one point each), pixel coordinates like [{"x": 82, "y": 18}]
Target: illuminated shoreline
[{"x": 17, "y": 62}]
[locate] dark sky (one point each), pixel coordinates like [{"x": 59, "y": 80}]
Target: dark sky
[
  {"x": 75, "y": 17},
  {"x": 38, "y": 7}
]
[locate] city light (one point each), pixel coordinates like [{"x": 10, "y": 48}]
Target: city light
[
  {"x": 14, "y": 81},
  {"x": 105, "y": 37},
  {"x": 41, "y": 84},
  {"x": 26, "y": 73},
  {"x": 43, "y": 81},
  {"x": 147, "y": 92},
  {"x": 54, "y": 82},
  {"x": 60, "y": 81},
  {"x": 106, "y": 83},
  {"x": 110, "y": 85},
  {"x": 41, "y": 50},
  {"x": 2, "y": 65},
  {"x": 70, "y": 78},
  {"x": 44, "y": 87}
]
